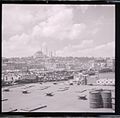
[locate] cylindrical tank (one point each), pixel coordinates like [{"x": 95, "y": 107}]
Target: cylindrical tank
[
  {"x": 113, "y": 103},
  {"x": 95, "y": 99},
  {"x": 106, "y": 97},
  {"x": 113, "y": 99}
]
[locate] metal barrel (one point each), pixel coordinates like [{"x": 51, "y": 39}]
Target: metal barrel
[
  {"x": 113, "y": 106},
  {"x": 95, "y": 99},
  {"x": 113, "y": 103},
  {"x": 113, "y": 100},
  {"x": 106, "y": 98}
]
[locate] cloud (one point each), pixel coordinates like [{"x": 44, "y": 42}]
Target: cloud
[
  {"x": 105, "y": 50},
  {"x": 77, "y": 30},
  {"x": 17, "y": 46},
  {"x": 63, "y": 17},
  {"x": 72, "y": 49},
  {"x": 28, "y": 28},
  {"x": 15, "y": 20},
  {"x": 102, "y": 50},
  {"x": 44, "y": 44},
  {"x": 53, "y": 27},
  {"x": 87, "y": 48},
  {"x": 56, "y": 25}
]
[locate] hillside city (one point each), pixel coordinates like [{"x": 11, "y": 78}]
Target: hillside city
[{"x": 42, "y": 68}]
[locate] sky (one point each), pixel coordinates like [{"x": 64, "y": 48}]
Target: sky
[{"x": 66, "y": 30}]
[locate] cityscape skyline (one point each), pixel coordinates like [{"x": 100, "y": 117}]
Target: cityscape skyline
[
  {"x": 67, "y": 30},
  {"x": 53, "y": 54}
]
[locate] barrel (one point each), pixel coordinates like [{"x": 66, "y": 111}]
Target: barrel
[
  {"x": 113, "y": 103},
  {"x": 95, "y": 99},
  {"x": 106, "y": 98}
]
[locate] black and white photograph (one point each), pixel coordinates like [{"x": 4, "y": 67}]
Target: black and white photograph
[
  {"x": 107, "y": 1},
  {"x": 58, "y": 58},
  {"x": 99, "y": 116}
]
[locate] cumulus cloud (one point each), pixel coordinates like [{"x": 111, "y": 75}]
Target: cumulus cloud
[
  {"x": 77, "y": 30},
  {"x": 15, "y": 20},
  {"x": 27, "y": 29},
  {"x": 17, "y": 46},
  {"x": 71, "y": 49}
]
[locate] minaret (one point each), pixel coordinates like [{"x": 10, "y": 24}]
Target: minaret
[
  {"x": 55, "y": 53},
  {"x": 46, "y": 52},
  {"x": 51, "y": 54},
  {"x": 41, "y": 49}
]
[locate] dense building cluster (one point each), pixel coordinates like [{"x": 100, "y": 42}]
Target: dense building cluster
[{"x": 41, "y": 67}]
